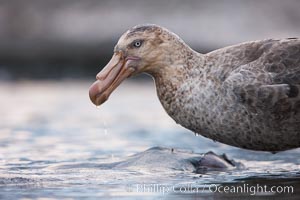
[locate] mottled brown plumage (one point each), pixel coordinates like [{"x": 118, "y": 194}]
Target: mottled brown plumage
[{"x": 246, "y": 95}]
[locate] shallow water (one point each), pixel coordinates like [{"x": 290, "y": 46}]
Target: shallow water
[{"x": 55, "y": 144}]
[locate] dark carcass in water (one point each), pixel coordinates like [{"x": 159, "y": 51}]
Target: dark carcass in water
[{"x": 160, "y": 158}]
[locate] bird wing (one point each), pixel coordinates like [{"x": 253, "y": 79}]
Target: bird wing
[{"x": 272, "y": 81}]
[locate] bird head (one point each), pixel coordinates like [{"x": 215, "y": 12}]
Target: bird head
[{"x": 143, "y": 48}]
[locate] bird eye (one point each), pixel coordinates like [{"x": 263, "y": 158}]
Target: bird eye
[{"x": 137, "y": 43}]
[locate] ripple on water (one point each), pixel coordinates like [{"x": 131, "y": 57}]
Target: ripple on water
[{"x": 58, "y": 145}]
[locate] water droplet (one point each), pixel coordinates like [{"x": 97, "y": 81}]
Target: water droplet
[{"x": 105, "y": 128}]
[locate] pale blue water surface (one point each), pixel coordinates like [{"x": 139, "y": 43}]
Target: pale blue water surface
[{"x": 55, "y": 144}]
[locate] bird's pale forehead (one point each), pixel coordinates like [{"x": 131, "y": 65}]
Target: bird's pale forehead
[
  {"x": 138, "y": 32},
  {"x": 124, "y": 41},
  {"x": 142, "y": 29}
]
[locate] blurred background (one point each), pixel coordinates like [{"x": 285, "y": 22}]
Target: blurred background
[
  {"x": 53, "y": 140},
  {"x": 74, "y": 39}
]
